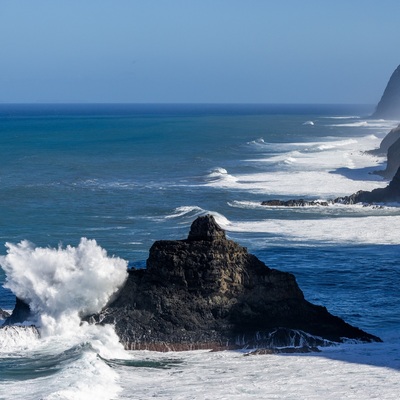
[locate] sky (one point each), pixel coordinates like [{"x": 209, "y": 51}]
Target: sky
[{"x": 197, "y": 51}]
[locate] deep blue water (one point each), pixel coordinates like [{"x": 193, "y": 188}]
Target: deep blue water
[
  {"x": 127, "y": 175},
  {"x": 116, "y": 173}
]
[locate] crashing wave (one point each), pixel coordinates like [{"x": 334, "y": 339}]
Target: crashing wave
[{"x": 14, "y": 337}]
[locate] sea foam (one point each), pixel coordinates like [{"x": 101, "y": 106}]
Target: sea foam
[{"x": 62, "y": 285}]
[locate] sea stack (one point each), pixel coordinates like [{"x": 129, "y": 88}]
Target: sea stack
[
  {"x": 389, "y": 105},
  {"x": 208, "y": 292}
]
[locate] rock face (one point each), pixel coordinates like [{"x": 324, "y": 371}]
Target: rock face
[
  {"x": 20, "y": 313},
  {"x": 389, "y": 194},
  {"x": 387, "y": 141},
  {"x": 209, "y": 292},
  {"x": 3, "y": 314},
  {"x": 389, "y": 105},
  {"x": 393, "y": 160},
  {"x": 390, "y": 145}
]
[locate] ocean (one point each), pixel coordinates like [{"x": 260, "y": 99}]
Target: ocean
[{"x": 87, "y": 189}]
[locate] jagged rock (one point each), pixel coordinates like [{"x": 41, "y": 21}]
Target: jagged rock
[
  {"x": 20, "y": 313},
  {"x": 3, "y": 314},
  {"x": 389, "y": 105},
  {"x": 294, "y": 203},
  {"x": 389, "y": 194},
  {"x": 209, "y": 292}
]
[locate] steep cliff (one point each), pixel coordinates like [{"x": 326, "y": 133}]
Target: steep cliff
[{"x": 389, "y": 105}]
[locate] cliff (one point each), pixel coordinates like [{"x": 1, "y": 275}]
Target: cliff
[
  {"x": 208, "y": 292},
  {"x": 389, "y": 105}
]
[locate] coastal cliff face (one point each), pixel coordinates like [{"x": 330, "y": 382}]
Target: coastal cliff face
[
  {"x": 389, "y": 105},
  {"x": 390, "y": 146},
  {"x": 208, "y": 292},
  {"x": 392, "y": 137}
]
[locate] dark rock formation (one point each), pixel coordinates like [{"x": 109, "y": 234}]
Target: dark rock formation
[
  {"x": 3, "y": 314},
  {"x": 387, "y": 141},
  {"x": 390, "y": 145},
  {"x": 393, "y": 160},
  {"x": 389, "y": 194},
  {"x": 209, "y": 292},
  {"x": 20, "y": 313},
  {"x": 295, "y": 203},
  {"x": 389, "y": 105}
]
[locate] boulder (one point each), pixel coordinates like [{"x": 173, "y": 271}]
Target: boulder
[{"x": 208, "y": 292}]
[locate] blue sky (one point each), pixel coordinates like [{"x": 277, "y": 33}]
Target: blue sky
[{"x": 197, "y": 51}]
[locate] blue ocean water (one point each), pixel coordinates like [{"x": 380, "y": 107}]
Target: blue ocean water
[{"x": 127, "y": 175}]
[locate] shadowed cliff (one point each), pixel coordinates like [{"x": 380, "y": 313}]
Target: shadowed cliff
[{"x": 389, "y": 105}]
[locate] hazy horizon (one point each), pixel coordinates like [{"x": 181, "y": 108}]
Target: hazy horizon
[{"x": 177, "y": 52}]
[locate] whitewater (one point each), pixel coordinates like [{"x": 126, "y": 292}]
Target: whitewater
[{"x": 122, "y": 179}]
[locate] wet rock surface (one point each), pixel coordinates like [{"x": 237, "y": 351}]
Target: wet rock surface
[{"x": 209, "y": 292}]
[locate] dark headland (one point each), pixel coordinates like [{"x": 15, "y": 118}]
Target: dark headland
[
  {"x": 388, "y": 108},
  {"x": 389, "y": 105}
]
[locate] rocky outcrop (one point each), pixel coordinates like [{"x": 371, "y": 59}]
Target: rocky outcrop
[
  {"x": 389, "y": 194},
  {"x": 387, "y": 141},
  {"x": 21, "y": 313},
  {"x": 389, "y": 105},
  {"x": 295, "y": 203},
  {"x": 390, "y": 146},
  {"x": 3, "y": 314},
  {"x": 393, "y": 160},
  {"x": 208, "y": 292}
]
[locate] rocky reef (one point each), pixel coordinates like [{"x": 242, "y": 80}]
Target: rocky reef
[
  {"x": 389, "y": 194},
  {"x": 389, "y": 105},
  {"x": 208, "y": 292}
]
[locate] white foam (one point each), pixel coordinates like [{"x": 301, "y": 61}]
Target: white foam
[
  {"x": 379, "y": 228},
  {"x": 62, "y": 285},
  {"x": 334, "y": 167},
  {"x": 342, "y": 372},
  {"x": 14, "y": 338},
  {"x": 185, "y": 210},
  {"x": 370, "y": 124}
]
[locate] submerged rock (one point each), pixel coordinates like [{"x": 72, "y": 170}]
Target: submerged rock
[{"x": 208, "y": 292}]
